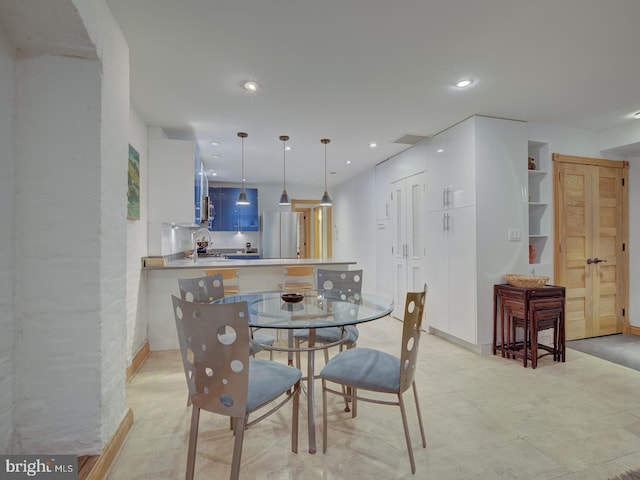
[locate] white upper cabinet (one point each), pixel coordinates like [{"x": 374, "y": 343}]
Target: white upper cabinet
[
  {"x": 383, "y": 193},
  {"x": 462, "y": 171},
  {"x": 171, "y": 175},
  {"x": 451, "y": 180}
]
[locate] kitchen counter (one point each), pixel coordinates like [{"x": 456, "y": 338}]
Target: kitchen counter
[
  {"x": 253, "y": 275},
  {"x": 218, "y": 262}
]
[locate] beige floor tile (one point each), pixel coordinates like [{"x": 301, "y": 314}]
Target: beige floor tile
[{"x": 485, "y": 418}]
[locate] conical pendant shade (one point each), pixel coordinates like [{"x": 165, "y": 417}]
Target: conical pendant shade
[
  {"x": 284, "y": 198},
  {"x": 242, "y": 198},
  {"x": 325, "y": 201}
]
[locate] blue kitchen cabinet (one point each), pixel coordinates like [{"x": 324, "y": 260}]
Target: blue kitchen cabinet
[{"x": 229, "y": 217}]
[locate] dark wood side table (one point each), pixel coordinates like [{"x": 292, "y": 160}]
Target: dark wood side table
[{"x": 529, "y": 306}]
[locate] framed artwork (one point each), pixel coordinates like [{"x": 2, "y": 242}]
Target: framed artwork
[{"x": 133, "y": 191}]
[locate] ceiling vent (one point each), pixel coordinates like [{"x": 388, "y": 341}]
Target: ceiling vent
[{"x": 410, "y": 139}]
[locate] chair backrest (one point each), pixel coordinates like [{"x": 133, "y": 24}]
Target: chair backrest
[
  {"x": 411, "y": 328},
  {"x": 214, "y": 342},
  {"x": 298, "y": 277},
  {"x": 201, "y": 289},
  {"x": 343, "y": 284}
]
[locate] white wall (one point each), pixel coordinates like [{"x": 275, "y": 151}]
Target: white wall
[
  {"x": 354, "y": 225},
  {"x": 7, "y": 72},
  {"x": 112, "y": 229},
  {"x": 69, "y": 186},
  {"x": 137, "y": 246},
  {"x": 57, "y": 188},
  {"x": 565, "y": 140}
]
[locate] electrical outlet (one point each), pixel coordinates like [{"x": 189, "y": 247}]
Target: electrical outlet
[{"x": 515, "y": 234}]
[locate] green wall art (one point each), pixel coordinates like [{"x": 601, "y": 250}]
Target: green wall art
[{"x": 133, "y": 191}]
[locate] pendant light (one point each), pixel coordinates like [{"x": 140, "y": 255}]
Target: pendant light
[
  {"x": 242, "y": 198},
  {"x": 284, "y": 198},
  {"x": 326, "y": 199}
]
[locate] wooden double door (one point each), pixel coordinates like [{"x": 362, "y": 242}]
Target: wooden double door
[{"x": 591, "y": 244}]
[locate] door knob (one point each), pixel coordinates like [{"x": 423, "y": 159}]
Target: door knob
[{"x": 594, "y": 260}]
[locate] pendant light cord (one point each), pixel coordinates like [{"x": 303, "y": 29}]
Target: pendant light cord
[
  {"x": 284, "y": 164},
  {"x": 325, "y": 141}
]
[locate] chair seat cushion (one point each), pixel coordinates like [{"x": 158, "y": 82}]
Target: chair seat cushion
[
  {"x": 268, "y": 380},
  {"x": 329, "y": 334},
  {"x": 261, "y": 339},
  {"x": 364, "y": 368}
]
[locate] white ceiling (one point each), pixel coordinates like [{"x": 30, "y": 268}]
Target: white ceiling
[{"x": 358, "y": 71}]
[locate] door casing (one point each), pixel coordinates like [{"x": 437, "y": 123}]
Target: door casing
[{"x": 591, "y": 222}]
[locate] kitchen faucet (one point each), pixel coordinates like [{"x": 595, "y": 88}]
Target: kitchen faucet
[{"x": 195, "y": 237}]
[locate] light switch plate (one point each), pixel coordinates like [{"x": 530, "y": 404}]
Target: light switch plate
[{"x": 515, "y": 235}]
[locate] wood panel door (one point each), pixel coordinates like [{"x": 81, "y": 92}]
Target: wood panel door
[{"x": 591, "y": 237}]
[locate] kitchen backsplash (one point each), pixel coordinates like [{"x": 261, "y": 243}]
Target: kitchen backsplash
[{"x": 177, "y": 238}]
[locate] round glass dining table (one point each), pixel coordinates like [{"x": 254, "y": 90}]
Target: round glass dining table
[{"x": 316, "y": 309}]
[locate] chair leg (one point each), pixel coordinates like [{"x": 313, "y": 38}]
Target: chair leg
[
  {"x": 354, "y": 402},
  {"x": 237, "y": 447},
  {"x": 193, "y": 439},
  {"x": 324, "y": 416},
  {"x": 415, "y": 396},
  {"x": 294, "y": 420},
  {"x": 403, "y": 413},
  {"x": 298, "y": 361}
]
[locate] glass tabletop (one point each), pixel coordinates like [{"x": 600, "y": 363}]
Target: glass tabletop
[{"x": 315, "y": 310}]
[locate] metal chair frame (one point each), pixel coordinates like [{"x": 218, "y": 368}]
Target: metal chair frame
[
  {"x": 214, "y": 342},
  {"x": 411, "y": 330}
]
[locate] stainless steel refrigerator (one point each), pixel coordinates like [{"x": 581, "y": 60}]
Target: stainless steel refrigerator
[{"x": 279, "y": 234}]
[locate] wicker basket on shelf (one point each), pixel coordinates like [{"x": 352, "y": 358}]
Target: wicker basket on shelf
[{"x": 526, "y": 281}]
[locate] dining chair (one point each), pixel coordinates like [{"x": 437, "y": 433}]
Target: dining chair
[
  {"x": 231, "y": 278},
  {"x": 222, "y": 378},
  {"x": 210, "y": 288},
  {"x": 372, "y": 370},
  {"x": 340, "y": 284},
  {"x": 297, "y": 278}
]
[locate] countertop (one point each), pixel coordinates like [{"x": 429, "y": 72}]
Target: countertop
[{"x": 188, "y": 263}]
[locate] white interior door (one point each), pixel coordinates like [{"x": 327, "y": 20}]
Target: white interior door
[{"x": 408, "y": 248}]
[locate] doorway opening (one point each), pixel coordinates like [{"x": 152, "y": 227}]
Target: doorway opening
[{"x": 315, "y": 229}]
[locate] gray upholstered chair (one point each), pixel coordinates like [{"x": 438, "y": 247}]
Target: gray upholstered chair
[
  {"x": 342, "y": 284},
  {"x": 372, "y": 370},
  {"x": 210, "y": 288},
  {"x": 221, "y": 376}
]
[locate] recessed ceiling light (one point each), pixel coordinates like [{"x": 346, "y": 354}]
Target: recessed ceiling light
[
  {"x": 440, "y": 150},
  {"x": 373, "y": 145},
  {"x": 287, "y": 148},
  {"x": 637, "y": 116},
  {"x": 348, "y": 162},
  {"x": 250, "y": 85},
  {"x": 213, "y": 174},
  {"x": 216, "y": 156},
  {"x": 463, "y": 83},
  {"x": 214, "y": 143}
]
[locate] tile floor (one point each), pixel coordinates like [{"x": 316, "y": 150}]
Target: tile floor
[{"x": 485, "y": 418}]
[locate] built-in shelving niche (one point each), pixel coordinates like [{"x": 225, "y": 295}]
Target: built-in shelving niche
[{"x": 540, "y": 211}]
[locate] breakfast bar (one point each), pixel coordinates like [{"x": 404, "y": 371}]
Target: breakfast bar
[{"x": 160, "y": 280}]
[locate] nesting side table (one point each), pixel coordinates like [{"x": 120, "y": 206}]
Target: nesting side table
[{"x": 532, "y": 309}]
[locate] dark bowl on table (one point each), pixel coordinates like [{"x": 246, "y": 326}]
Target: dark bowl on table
[{"x": 292, "y": 297}]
